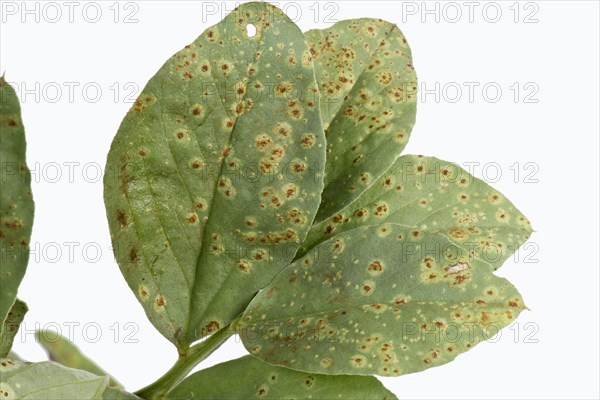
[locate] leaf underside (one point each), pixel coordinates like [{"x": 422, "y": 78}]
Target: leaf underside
[
  {"x": 432, "y": 194},
  {"x": 16, "y": 202},
  {"x": 10, "y": 327},
  {"x": 385, "y": 300},
  {"x": 47, "y": 380},
  {"x": 215, "y": 174},
  {"x": 250, "y": 378},
  {"x": 368, "y": 103}
]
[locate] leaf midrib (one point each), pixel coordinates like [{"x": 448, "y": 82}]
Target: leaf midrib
[{"x": 198, "y": 267}]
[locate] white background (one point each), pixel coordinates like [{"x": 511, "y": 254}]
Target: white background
[{"x": 552, "y": 350}]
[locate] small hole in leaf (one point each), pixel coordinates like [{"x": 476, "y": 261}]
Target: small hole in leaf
[{"x": 250, "y": 30}]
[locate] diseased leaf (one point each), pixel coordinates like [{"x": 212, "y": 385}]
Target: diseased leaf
[
  {"x": 14, "y": 356},
  {"x": 47, "y": 381},
  {"x": 112, "y": 393},
  {"x": 16, "y": 202},
  {"x": 9, "y": 329},
  {"x": 250, "y": 378},
  {"x": 368, "y": 105},
  {"x": 61, "y": 350},
  {"x": 431, "y": 194},
  {"x": 215, "y": 174},
  {"x": 386, "y": 300}
]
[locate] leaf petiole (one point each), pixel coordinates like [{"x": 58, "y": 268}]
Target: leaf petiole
[{"x": 186, "y": 362}]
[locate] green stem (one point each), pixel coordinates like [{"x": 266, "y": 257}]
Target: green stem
[{"x": 186, "y": 362}]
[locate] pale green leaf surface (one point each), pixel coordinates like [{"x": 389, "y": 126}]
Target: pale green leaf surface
[
  {"x": 9, "y": 329},
  {"x": 47, "y": 381},
  {"x": 112, "y": 393},
  {"x": 368, "y": 105},
  {"x": 431, "y": 194},
  {"x": 215, "y": 174},
  {"x": 16, "y": 202},
  {"x": 250, "y": 378},
  {"x": 61, "y": 350},
  {"x": 384, "y": 300}
]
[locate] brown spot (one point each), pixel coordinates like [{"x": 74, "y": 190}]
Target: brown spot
[
  {"x": 244, "y": 266},
  {"x": 263, "y": 142},
  {"x": 133, "y": 256},
  {"x": 375, "y": 266},
  {"x": 299, "y": 167},
  {"x": 12, "y": 122},
  {"x": 212, "y": 326},
  {"x": 308, "y": 141},
  {"x": 283, "y": 88},
  {"x": 381, "y": 209},
  {"x": 122, "y": 218}
]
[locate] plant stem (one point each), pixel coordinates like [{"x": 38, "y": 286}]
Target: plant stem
[{"x": 186, "y": 362}]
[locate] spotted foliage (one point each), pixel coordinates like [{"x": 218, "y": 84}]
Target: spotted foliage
[
  {"x": 215, "y": 174},
  {"x": 368, "y": 89},
  {"x": 8, "y": 330},
  {"x": 47, "y": 380},
  {"x": 434, "y": 195},
  {"x": 16, "y": 202},
  {"x": 384, "y": 300},
  {"x": 255, "y": 379}
]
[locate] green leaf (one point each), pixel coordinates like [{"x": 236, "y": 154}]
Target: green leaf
[
  {"x": 386, "y": 300},
  {"x": 368, "y": 103},
  {"x": 112, "y": 393},
  {"x": 250, "y": 378},
  {"x": 10, "y": 327},
  {"x": 215, "y": 174},
  {"x": 16, "y": 202},
  {"x": 431, "y": 194},
  {"x": 61, "y": 350},
  {"x": 47, "y": 381}
]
